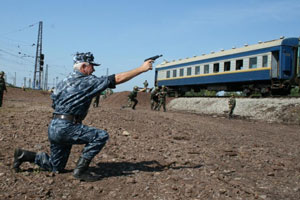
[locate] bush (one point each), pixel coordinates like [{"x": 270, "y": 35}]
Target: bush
[{"x": 295, "y": 91}]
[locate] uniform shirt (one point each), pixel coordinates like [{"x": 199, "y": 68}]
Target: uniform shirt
[
  {"x": 232, "y": 101},
  {"x": 154, "y": 94},
  {"x": 2, "y": 84},
  {"x": 74, "y": 94},
  {"x": 133, "y": 94},
  {"x": 163, "y": 94},
  {"x": 146, "y": 84}
]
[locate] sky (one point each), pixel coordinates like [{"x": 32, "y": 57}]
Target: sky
[{"x": 121, "y": 34}]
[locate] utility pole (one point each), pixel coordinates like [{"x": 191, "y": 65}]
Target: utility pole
[
  {"x": 39, "y": 60},
  {"x": 46, "y": 79},
  {"x": 56, "y": 82},
  {"x": 15, "y": 79},
  {"x": 42, "y": 80},
  {"x": 24, "y": 82},
  {"x": 29, "y": 83}
]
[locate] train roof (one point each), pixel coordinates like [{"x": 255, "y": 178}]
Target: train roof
[{"x": 246, "y": 48}]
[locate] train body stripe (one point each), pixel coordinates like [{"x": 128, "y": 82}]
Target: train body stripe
[{"x": 253, "y": 75}]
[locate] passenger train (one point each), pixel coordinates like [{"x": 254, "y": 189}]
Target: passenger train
[{"x": 270, "y": 67}]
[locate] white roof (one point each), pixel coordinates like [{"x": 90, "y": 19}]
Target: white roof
[{"x": 246, "y": 48}]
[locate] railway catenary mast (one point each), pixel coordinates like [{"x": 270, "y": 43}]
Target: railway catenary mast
[{"x": 39, "y": 60}]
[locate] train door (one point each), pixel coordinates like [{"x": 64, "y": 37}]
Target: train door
[
  {"x": 287, "y": 61},
  {"x": 155, "y": 78},
  {"x": 297, "y": 63},
  {"x": 275, "y": 65}
]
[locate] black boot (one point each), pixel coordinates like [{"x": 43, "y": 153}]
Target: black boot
[
  {"x": 21, "y": 156},
  {"x": 80, "y": 172}
]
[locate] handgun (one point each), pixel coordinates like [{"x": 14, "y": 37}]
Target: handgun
[{"x": 153, "y": 57}]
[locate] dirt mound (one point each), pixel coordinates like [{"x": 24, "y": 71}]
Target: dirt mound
[
  {"x": 121, "y": 98},
  {"x": 18, "y": 94},
  {"x": 152, "y": 155}
]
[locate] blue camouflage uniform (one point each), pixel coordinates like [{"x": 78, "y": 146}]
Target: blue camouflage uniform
[{"x": 73, "y": 96}]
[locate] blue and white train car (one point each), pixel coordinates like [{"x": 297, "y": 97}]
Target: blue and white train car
[{"x": 271, "y": 66}]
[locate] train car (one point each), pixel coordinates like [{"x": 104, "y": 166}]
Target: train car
[{"x": 267, "y": 67}]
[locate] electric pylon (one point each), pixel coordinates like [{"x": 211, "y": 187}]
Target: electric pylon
[{"x": 39, "y": 60}]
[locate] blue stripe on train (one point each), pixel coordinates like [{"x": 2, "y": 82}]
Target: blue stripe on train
[{"x": 221, "y": 78}]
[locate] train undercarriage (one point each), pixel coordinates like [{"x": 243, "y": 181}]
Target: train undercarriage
[{"x": 262, "y": 88}]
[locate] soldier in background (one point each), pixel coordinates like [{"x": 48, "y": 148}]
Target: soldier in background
[
  {"x": 132, "y": 98},
  {"x": 146, "y": 85},
  {"x": 102, "y": 96},
  {"x": 162, "y": 95},
  {"x": 108, "y": 92},
  {"x": 96, "y": 101},
  {"x": 231, "y": 104},
  {"x": 2, "y": 87},
  {"x": 154, "y": 98}
]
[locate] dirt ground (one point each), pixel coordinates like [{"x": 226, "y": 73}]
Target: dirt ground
[{"x": 152, "y": 155}]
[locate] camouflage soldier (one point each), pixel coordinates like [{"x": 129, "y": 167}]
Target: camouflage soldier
[
  {"x": 98, "y": 97},
  {"x": 2, "y": 87},
  {"x": 71, "y": 100},
  {"x": 145, "y": 85},
  {"x": 108, "y": 92},
  {"x": 96, "y": 101},
  {"x": 231, "y": 103},
  {"x": 154, "y": 98},
  {"x": 162, "y": 98},
  {"x": 132, "y": 98}
]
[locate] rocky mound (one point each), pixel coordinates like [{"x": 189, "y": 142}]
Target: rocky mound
[{"x": 283, "y": 110}]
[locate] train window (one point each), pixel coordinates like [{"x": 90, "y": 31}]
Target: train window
[
  {"x": 206, "y": 69},
  {"x": 265, "y": 61},
  {"x": 216, "y": 67},
  {"x": 227, "y": 66},
  {"x": 168, "y": 74},
  {"x": 174, "y": 73},
  {"x": 189, "y": 71},
  {"x": 239, "y": 64},
  {"x": 253, "y": 62},
  {"x": 181, "y": 72},
  {"x": 197, "y": 70}
]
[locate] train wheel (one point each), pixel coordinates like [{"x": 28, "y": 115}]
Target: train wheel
[
  {"x": 265, "y": 92},
  {"x": 247, "y": 92}
]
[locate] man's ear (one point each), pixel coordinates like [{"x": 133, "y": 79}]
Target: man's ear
[{"x": 82, "y": 67}]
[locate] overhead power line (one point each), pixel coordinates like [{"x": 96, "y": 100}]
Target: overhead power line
[
  {"x": 17, "y": 43},
  {"x": 21, "y": 29},
  {"x": 19, "y": 55}
]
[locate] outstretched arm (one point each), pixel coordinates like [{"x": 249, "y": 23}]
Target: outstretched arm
[{"x": 126, "y": 76}]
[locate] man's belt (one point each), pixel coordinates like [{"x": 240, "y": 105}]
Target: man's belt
[{"x": 72, "y": 118}]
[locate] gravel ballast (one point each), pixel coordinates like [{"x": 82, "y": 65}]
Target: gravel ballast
[{"x": 283, "y": 110}]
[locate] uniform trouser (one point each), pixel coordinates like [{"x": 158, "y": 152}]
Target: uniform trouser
[
  {"x": 154, "y": 104},
  {"x": 231, "y": 109},
  {"x": 96, "y": 102},
  {"x": 162, "y": 102},
  {"x": 1, "y": 97},
  {"x": 62, "y": 135},
  {"x": 135, "y": 101}
]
